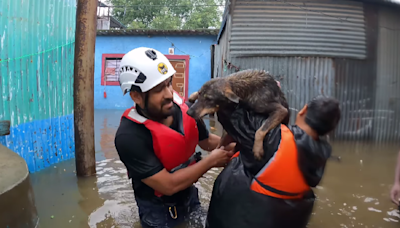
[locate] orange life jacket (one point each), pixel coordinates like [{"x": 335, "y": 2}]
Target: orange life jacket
[{"x": 281, "y": 177}]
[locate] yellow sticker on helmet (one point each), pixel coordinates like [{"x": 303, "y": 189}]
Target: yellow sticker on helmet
[{"x": 162, "y": 68}]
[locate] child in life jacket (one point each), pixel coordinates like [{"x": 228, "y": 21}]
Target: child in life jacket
[{"x": 275, "y": 192}]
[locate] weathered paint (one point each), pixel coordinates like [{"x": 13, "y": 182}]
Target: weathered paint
[
  {"x": 36, "y": 71},
  {"x": 198, "y": 47},
  {"x": 83, "y": 87}
]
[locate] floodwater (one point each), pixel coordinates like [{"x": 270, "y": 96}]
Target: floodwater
[{"x": 353, "y": 193}]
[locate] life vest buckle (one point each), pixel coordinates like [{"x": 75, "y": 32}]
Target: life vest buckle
[{"x": 171, "y": 214}]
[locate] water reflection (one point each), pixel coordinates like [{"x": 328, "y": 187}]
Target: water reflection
[{"x": 353, "y": 192}]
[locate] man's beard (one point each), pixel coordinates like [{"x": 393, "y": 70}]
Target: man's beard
[{"x": 157, "y": 113}]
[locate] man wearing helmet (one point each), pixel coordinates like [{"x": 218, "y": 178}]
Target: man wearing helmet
[{"x": 156, "y": 141}]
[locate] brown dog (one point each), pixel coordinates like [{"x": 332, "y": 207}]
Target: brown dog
[{"x": 257, "y": 89}]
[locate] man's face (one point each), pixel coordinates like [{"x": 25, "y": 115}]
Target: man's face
[{"x": 160, "y": 100}]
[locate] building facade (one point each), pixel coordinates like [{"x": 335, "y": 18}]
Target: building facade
[
  {"x": 189, "y": 52},
  {"x": 346, "y": 49}
]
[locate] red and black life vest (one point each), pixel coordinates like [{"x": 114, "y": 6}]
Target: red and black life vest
[{"x": 171, "y": 147}]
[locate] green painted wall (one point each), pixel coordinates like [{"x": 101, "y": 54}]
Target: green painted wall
[
  {"x": 37, "y": 39},
  {"x": 37, "y": 55}
]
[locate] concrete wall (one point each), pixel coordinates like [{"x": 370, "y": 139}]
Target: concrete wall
[
  {"x": 17, "y": 204},
  {"x": 198, "y": 47}
]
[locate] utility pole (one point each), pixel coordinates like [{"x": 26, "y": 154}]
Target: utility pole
[{"x": 85, "y": 38}]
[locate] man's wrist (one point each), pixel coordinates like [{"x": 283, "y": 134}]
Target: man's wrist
[{"x": 209, "y": 162}]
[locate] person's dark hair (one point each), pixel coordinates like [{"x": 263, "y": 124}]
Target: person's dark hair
[
  {"x": 323, "y": 114},
  {"x": 136, "y": 89}
]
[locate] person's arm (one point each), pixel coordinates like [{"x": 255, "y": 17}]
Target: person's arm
[
  {"x": 137, "y": 153},
  {"x": 169, "y": 184},
  {"x": 397, "y": 170},
  {"x": 395, "y": 192},
  {"x": 210, "y": 143}
]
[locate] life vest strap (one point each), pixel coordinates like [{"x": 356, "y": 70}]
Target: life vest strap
[
  {"x": 196, "y": 157},
  {"x": 276, "y": 191}
]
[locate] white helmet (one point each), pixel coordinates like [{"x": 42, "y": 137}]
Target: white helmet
[{"x": 144, "y": 67}]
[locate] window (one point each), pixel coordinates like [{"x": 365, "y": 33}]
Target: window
[{"x": 110, "y": 69}]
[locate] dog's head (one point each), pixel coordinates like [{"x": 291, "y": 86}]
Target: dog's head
[{"x": 212, "y": 95}]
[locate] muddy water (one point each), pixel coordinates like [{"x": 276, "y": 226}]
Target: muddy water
[{"x": 353, "y": 193}]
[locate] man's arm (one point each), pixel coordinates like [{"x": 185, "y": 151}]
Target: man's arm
[
  {"x": 395, "y": 192},
  {"x": 169, "y": 184},
  {"x": 136, "y": 152},
  {"x": 210, "y": 143},
  {"x": 207, "y": 141},
  {"x": 397, "y": 170}
]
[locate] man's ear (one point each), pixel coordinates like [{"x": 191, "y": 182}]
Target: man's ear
[
  {"x": 136, "y": 97},
  {"x": 193, "y": 97},
  {"x": 303, "y": 110},
  {"x": 231, "y": 95}
]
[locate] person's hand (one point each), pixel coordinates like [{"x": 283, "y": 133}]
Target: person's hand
[
  {"x": 395, "y": 193},
  {"x": 220, "y": 157},
  {"x": 230, "y": 147}
]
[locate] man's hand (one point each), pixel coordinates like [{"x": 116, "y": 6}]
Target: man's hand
[
  {"x": 171, "y": 183},
  {"x": 219, "y": 157},
  {"x": 395, "y": 193},
  {"x": 230, "y": 147}
]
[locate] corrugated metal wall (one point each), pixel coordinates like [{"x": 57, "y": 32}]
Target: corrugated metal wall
[
  {"x": 368, "y": 89},
  {"x": 36, "y": 72},
  {"x": 301, "y": 78},
  {"x": 387, "y": 108},
  {"x": 298, "y": 28},
  {"x": 354, "y": 88}
]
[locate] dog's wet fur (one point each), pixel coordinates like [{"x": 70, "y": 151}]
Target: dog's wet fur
[{"x": 257, "y": 89}]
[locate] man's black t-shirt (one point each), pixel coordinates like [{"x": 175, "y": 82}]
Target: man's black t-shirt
[{"x": 134, "y": 144}]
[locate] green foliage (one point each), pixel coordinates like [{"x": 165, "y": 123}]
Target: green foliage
[{"x": 167, "y": 14}]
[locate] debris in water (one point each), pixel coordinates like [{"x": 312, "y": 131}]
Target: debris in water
[
  {"x": 64, "y": 170},
  {"x": 393, "y": 220},
  {"x": 394, "y": 213},
  {"x": 361, "y": 161},
  {"x": 55, "y": 166},
  {"x": 368, "y": 199},
  {"x": 373, "y": 209},
  {"x": 70, "y": 221},
  {"x": 52, "y": 217}
]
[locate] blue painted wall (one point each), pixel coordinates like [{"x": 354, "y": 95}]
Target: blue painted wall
[{"x": 198, "y": 47}]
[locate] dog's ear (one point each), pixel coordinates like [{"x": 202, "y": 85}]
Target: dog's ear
[
  {"x": 231, "y": 95},
  {"x": 193, "y": 97}
]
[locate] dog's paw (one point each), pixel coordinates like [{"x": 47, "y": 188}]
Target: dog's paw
[{"x": 258, "y": 151}]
